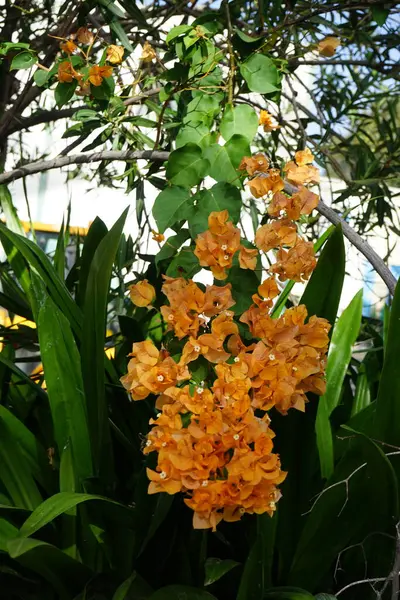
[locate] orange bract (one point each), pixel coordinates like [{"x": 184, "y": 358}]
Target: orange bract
[
  {"x": 268, "y": 121},
  {"x": 264, "y": 184},
  {"x": 142, "y": 293},
  {"x": 274, "y": 235},
  {"x": 68, "y": 47},
  {"x": 148, "y": 53},
  {"x": 216, "y": 247},
  {"x": 327, "y": 46},
  {"x": 297, "y": 263},
  {"x": 248, "y": 258},
  {"x": 254, "y": 164},
  {"x": 84, "y": 36},
  {"x": 115, "y": 54},
  {"x": 97, "y": 74},
  {"x": 67, "y": 73}
]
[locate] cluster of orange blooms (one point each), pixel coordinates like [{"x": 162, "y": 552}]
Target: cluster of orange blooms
[
  {"x": 81, "y": 42},
  {"x": 213, "y": 437}
]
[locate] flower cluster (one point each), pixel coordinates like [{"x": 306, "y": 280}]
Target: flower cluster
[{"x": 212, "y": 437}]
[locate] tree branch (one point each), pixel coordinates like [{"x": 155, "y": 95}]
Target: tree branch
[
  {"x": 380, "y": 267},
  {"x": 79, "y": 159}
]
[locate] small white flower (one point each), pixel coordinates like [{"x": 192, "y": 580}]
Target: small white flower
[
  {"x": 197, "y": 348},
  {"x": 164, "y": 444},
  {"x": 261, "y": 162},
  {"x": 224, "y": 247},
  {"x": 236, "y": 436},
  {"x": 200, "y": 390},
  {"x": 163, "y": 475},
  {"x": 271, "y": 357},
  {"x": 241, "y": 511},
  {"x": 170, "y": 317},
  {"x": 148, "y": 443},
  {"x": 271, "y": 505},
  {"x": 204, "y": 483},
  {"x": 294, "y": 369},
  {"x": 226, "y": 257},
  {"x": 236, "y": 359},
  {"x": 160, "y": 377}
]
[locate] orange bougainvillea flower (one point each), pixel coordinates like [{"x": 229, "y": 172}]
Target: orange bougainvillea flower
[
  {"x": 327, "y": 46},
  {"x": 186, "y": 304},
  {"x": 268, "y": 121},
  {"x": 279, "y": 233},
  {"x": 68, "y": 47},
  {"x": 302, "y": 202},
  {"x": 268, "y": 288},
  {"x": 301, "y": 174},
  {"x": 297, "y": 263},
  {"x": 304, "y": 157},
  {"x": 67, "y": 73},
  {"x": 84, "y": 36},
  {"x": 254, "y": 164},
  {"x": 217, "y": 299},
  {"x": 157, "y": 237},
  {"x": 148, "y": 53},
  {"x": 248, "y": 258},
  {"x": 216, "y": 247},
  {"x": 142, "y": 293},
  {"x": 115, "y": 54},
  {"x": 264, "y": 184},
  {"x": 97, "y": 74}
]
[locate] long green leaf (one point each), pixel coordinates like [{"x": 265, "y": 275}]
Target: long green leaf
[
  {"x": 344, "y": 336},
  {"x": 66, "y": 575},
  {"x": 40, "y": 263},
  {"x": 93, "y": 339},
  {"x": 16, "y": 473},
  {"x": 387, "y": 418},
  {"x": 33, "y": 454},
  {"x": 21, "y": 375},
  {"x": 362, "y": 397},
  {"x": 96, "y": 233},
  {"x": 63, "y": 376},
  {"x": 61, "y": 503},
  {"x": 297, "y": 430},
  {"x": 9, "y": 211}
]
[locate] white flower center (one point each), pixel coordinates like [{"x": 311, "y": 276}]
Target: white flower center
[
  {"x": 199, "y": 390},
  {"x": 236, "y": 436},
  {"x": 163, "y": 475},
  {"x": 204, "y": 483},
  {"x": 236, "y": 359},
  {"x": 160, "y": 377},
  {"x": 294, "y": 369},
  {"x": 164, "y": 444},
  {"x": 170, "y": 317},
  {"x": 226, "y": 257},
  {"x": 148, "y": 443},
  {"x": 271, "y": 357},
  {"x": 197, "y": 348},
  {"x": 224, "y": 247}
]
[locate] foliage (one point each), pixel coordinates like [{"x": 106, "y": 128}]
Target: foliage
[{"x": 76, "y": 519}]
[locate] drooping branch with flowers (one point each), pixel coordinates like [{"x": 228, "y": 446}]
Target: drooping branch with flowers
[{"x": 212, "y": 436}]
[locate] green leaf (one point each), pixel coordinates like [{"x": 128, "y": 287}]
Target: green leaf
[
  {"x": 93, "y": 340},
  {"x": 241, "y": 120},
  {"x": 260, "y": 74},
  {"x": 21, "y": 375},
  {"x": 16, "y": 472},
  {"x": 325, "y": 597},
  {"x": 181, "y": 592},
  {"x": 344, "y": 336},
  {"x": 171, "y": 205},
  {"x": 186, "y": 167},
  {"x": 41, "y": 77},
  {"x": 59, "y": 504},
  {"x": 185, "y": 264},
  {"x": 171, "y": 246},
  {"x": 196, "y": 133},
  {"x": 177, "y": 31},
  {"x": 32, "y": 452},
  {"x": 96, "y": 233},
  {"x": 222, "y": 196},
  {"x": 62, "y": 371},
  {"x": 119, "y": 31},
  {"x": 344, "y": 515},
  {"x": 215, "y": 568},
  {"x": 387, "y": 418},
  {"x": 133, "y": 587},
  {"x": 244, "y": 285},
  {"x": 23, "y": 60},
  {"x": 380, "y": 14},
  {"x": 9, "y": 210},
  {"x": 287, "y": 593},
  {"x": 224, "y": 160},
  {"x": 362, "y": 397},
  {"x": 252, "y": 582},
  {"x": 85, "y": 114},
  {"x": 64, "y": 92},
  {"x": 66, "y": 575},
  {"x": 324, "y": 289}
]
